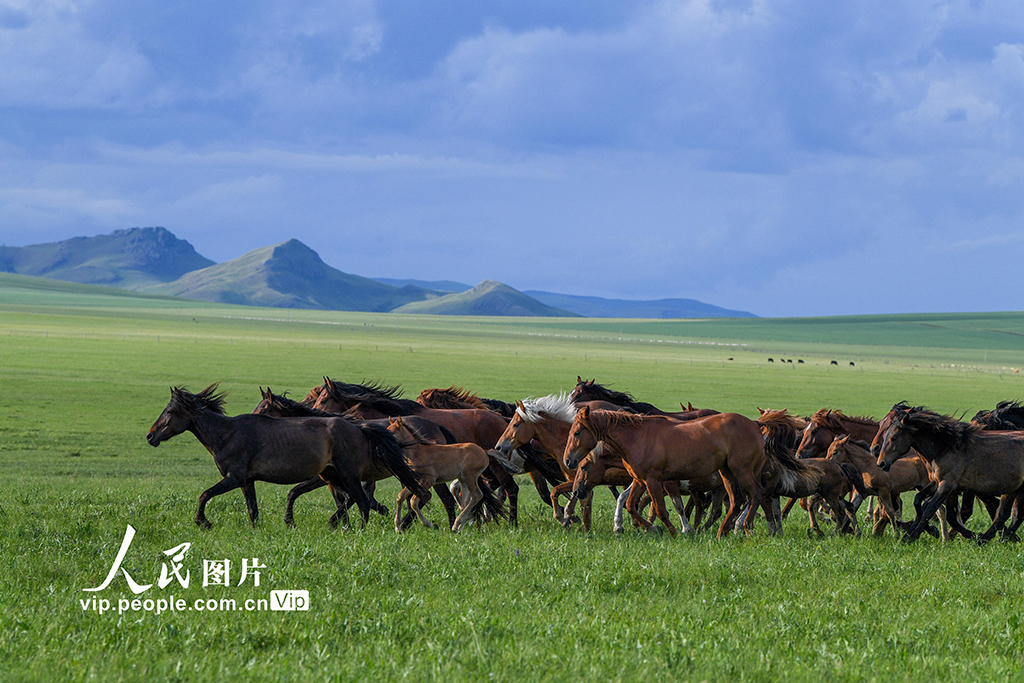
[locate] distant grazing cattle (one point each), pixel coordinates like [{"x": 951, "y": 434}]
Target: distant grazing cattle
[
  {"x": 771, "y": 360},
  {"x": 834, "y": 363},
  {"x": 851, "y": 363},
  {"x": 799, "y": 360}
]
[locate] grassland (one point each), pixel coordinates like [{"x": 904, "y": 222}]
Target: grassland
[{"x": 84, "y": 372}]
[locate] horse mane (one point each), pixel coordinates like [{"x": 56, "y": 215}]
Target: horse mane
[
  {"x": 1007, "y": 416},
  {"x": 454, "y": 397},
  {"x": 600, "y": 422},
  {"x": 832, "y": 419},
  {"x": 294, "y": 408},
  {"x": 781, "y": 433},
  {"x": 619, "y": 398},
  {"x": 559, "y": 406},
  {"x": 208, "y": 399},
  {"x": 948, "y": 430},
  {"x": 381, "y": 397}
]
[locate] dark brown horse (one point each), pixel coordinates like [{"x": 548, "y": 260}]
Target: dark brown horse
[
  {"x": 1006, "y": 416},
  {"x": 481, "y": 427},
  {"x": 590, "y": 390},
  {"x": 961, "y": 457},
  {"x": 657, "y": 449},
  {"x": 278, "y": 405},
  {"x": 785, "y": 475},
  {"x": 249, "y": 448}
]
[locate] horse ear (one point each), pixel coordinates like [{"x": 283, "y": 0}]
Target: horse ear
[
  {"x": 689, "y": 406},
  {"x": 762, "y": 412},
  {"x": 591, "y": 382},
  {"x": 579, "y": 380},
  {"x": 585, "y": 411},
  {"x": 520, "y": 406}
]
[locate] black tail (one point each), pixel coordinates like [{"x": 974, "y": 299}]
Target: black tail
[
  {"x": 388, "y": 452},
  {"x": 447, "y": 434},
  {"x": 494, "y": 507},
  {"x": 855, "y": 478}
]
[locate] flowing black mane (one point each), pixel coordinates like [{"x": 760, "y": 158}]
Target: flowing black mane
[
  {"x": 380, "y": 397},
  {"x": 947, "y": 430},
  {"x": 590, "y": 390},
  {"x": 207, "y": 399},
  {"x": 1007, "y": 416}
]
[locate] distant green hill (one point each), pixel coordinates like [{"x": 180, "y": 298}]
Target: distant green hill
[
  {"x": 487, "y": 298},
  {"x": 129, "y": 259},
  {"x": 597, "y": 307},
  {"x": 288, "y": 275}
]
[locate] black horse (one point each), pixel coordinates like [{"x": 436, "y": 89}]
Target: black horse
[{"x": 249, "y": 448}]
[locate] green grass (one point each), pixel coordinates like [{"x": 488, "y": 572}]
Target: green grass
[{"x": 84, "y": 373}]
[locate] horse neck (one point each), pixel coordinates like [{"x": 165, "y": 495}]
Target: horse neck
[
  {"x": 860, "y": 430},
  {"x": 211, "y": 429}
]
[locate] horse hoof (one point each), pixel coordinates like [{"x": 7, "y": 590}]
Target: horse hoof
[
  {"x": 655, "y": 531},
  {"x": 203, "y": 524},
  {"x": 618, "y": 531}
]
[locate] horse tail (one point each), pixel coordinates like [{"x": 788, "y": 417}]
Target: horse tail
[
  {"x": 447, "y": 434},
  {"x": 855, "y": 478},
  {"x": 494, "y": 508},
  {"x": 388, "y": 452}
]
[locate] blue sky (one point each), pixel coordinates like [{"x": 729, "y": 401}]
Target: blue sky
[{"x": 783, "y": 157}]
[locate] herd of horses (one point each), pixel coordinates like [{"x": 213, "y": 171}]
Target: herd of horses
[{"x": 468, "y": 450}]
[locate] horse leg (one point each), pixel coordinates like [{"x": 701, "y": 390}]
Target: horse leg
[
  {"x": 303, "y": 488},
  {"x": 541, "y": 485},
  {"x": 789, "y": 506},
  {"x": 637, "y": 490},
  {"x": 511, "y": 488},
  {"x": 656, "y": 489},
  {"x": 731, "y": 488},
  {"x": 570, "y": 511},
  {"x": 249, "y": 491},
  {"x": 588, "y": 508},
  {"x": 620, "y": 504},
  {"x": 716, "y": 506},
  {"x": 417, "y": 506},
  {"x": 1002, "y": 514},
  {"x": 403, "y": 495},
  {"x": 563, "y": 489},
  {"x": 448, "y": 500},
  {"x": 475, "y": 495},
  {"x": 226, "y": 484},
  {"x": 941, "y": 493},
  {"x": 677, "y": 501}
]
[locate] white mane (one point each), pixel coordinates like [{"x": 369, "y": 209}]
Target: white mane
[{"x": 558, "y": 406}]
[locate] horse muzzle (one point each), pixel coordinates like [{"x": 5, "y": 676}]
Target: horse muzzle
[{"x": 153, "y": 438}]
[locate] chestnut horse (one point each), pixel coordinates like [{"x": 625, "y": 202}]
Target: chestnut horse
[
  {"x": 435, "y": 463},
  {"x": 657, "y": 449},
  {"x": 961, "y": 456},
  {"x": 906, "y": 474}
]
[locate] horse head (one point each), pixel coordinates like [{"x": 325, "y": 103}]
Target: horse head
[
  {"x": 181, "y": 411},
  {"x": 581, "y": 439},
  {"x": 894, "y": 439}
]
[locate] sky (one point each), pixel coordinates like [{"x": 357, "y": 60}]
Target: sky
[{"x": 785, "y": 157}]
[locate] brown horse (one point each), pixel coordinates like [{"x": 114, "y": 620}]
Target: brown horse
[
  {"x": 590, "y": 390},
  {"x": 657, "y": 449},
  {"x": 826, "y": 424},
  {"x": 906, "y": 474},
  {"x": 249, "y": 448},
  {"x": 435, "y": 463},
  {"x": 961, "y": 456},
  {"x": 278, "y": 405},
  {"x": 546, "y": 422}
]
